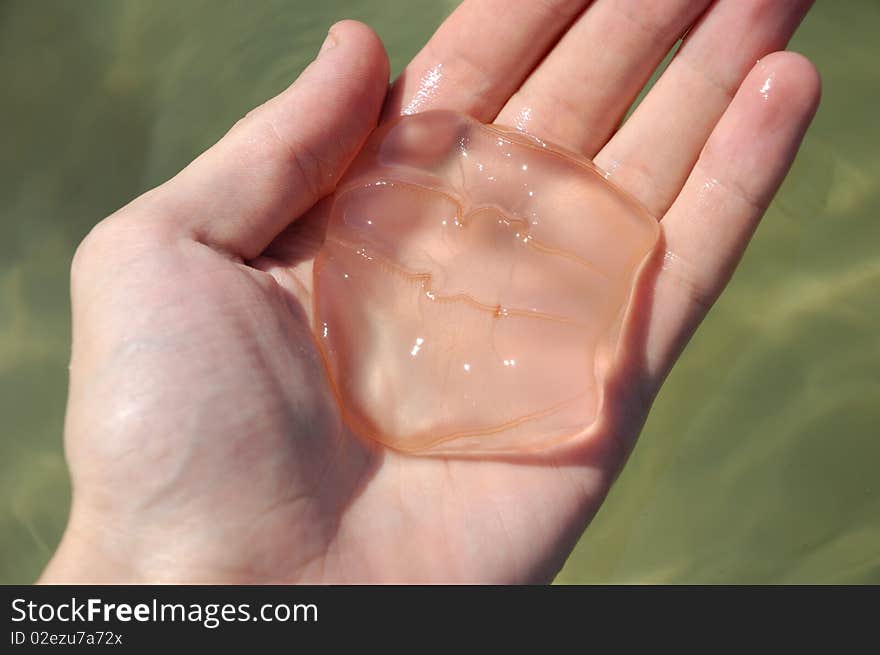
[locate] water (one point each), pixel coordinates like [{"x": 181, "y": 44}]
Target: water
[{"x": 759, "y": 462}]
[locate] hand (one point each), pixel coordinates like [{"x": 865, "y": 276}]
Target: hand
[{"x": 203, "y": 441}]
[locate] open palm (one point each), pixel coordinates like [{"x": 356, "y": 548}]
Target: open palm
[{"x": 202, "y": 436}]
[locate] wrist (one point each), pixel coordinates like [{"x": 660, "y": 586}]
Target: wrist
[{"x": 85, "y": 556}]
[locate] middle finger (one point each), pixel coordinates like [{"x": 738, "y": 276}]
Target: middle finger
[{"x": 577, "y": 96}]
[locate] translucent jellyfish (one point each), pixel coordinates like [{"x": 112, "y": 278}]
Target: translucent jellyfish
[{"x": 471, "y": 282}]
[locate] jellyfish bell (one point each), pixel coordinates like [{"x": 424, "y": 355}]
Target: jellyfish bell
[{"x": 470, "y": 286}]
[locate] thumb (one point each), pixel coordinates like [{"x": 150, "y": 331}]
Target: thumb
[{"x": 284, "y": 155}]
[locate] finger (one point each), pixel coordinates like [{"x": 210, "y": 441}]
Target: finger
[
  {"x": 739, "y": 170},
  {"x": 480, "y": 55},
  {"x": 580, "y": 92},
  {"x": 653, "y": 152},
  {"x": 286, "y": 154}
]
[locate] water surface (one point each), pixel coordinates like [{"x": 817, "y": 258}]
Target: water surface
[{"x": 760, "y": 460}]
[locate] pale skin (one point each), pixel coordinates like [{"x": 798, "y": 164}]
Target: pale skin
[{"x": 203, "y": 441}]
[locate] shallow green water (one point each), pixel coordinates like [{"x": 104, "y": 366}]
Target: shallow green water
[{"x": 760, "y": 461}]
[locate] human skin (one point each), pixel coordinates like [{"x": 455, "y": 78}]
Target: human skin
[{"x": 203, "y": 441}]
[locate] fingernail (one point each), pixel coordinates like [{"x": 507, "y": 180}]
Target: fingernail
[{"x": 329, "y": 43}]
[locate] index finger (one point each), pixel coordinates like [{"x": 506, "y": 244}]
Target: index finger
[{"x": 480, "y": 55}]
